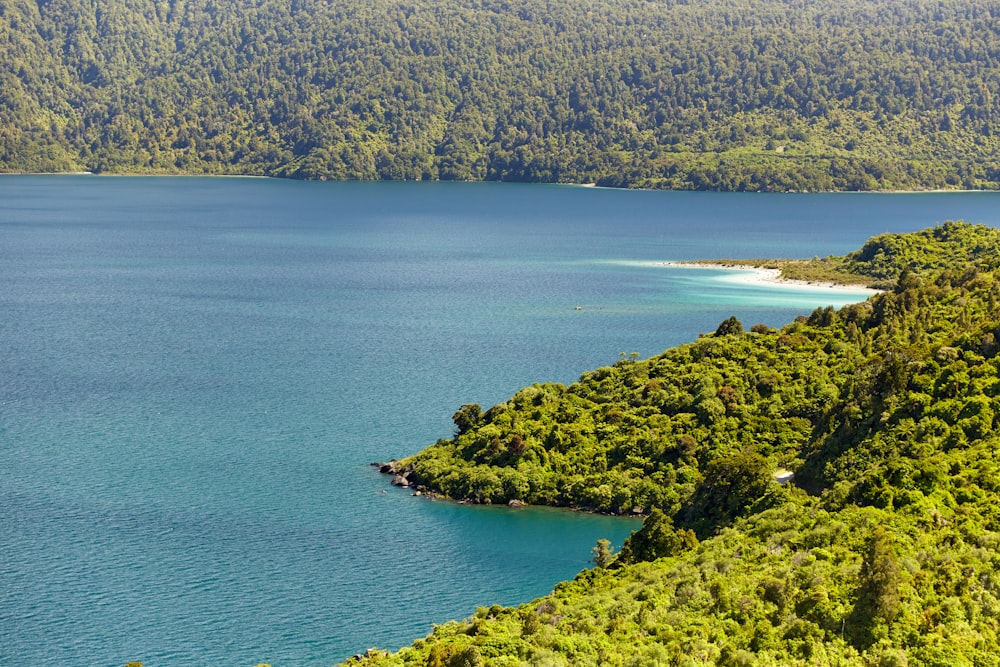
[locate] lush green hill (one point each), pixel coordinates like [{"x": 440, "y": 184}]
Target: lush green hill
[
  {"x": 716, "y": 94},
  {"x": 882, "y": 550}
]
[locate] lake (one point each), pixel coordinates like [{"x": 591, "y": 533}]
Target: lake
[{"x": 197, "y": 372}]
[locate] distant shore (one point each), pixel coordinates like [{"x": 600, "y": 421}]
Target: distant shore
[
  {"x": 751, "y": 274},
  {"x": 569, "y": 184},
  {"x": 130, "y": 175}
]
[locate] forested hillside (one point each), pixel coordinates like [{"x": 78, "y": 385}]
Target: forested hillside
[
  {"x": 881, "y": 549},
  {"x": 716, "y": 94}
]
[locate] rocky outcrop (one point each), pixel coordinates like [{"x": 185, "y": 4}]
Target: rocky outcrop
[{"x": 401, "y": 475}]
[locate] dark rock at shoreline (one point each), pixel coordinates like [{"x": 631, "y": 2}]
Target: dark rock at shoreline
[
  {"x": 401, "y": 475},
  {"x": 389, "y": 468}
]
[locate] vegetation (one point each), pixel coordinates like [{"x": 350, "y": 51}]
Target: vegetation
[
  {"x": 883, "y": 259},
  {"x": 882, "y": 550},
  {"x": 717, "y": 94}
]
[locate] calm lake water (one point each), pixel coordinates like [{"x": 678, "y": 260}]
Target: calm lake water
[{"x": 195, "y": 374}]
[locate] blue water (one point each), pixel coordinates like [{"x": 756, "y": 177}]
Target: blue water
[{"x": 195, "y": 374}]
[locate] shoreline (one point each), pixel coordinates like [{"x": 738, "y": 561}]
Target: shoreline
[
  {"x": 755, "y": 275},
  {"x": 138, "y": 175},
  {"x": 574, "y": 185}
]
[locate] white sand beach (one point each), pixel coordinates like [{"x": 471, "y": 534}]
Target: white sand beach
[{"x": 747, "y": 274}]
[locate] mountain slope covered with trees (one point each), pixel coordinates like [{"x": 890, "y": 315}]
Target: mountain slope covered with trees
[
  {"x": 720, "y": 94},
  {"x": 880, "y": 550}
]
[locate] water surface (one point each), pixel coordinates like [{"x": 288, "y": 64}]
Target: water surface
[{"x": 195, "y": 374}]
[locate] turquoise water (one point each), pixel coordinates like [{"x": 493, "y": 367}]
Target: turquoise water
[{"x": 195, "y": 374}]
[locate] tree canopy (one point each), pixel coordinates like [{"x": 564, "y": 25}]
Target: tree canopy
[{"x": 718, "y": 94}]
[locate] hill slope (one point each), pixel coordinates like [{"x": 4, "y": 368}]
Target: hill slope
[
  {"x": 881, "y": 551},
  {"x": 711, "y": 95}
]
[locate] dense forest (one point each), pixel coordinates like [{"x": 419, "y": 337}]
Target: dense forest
[
  {"x": 827, "y": 493},
  {"x": 715, "y": 94}
]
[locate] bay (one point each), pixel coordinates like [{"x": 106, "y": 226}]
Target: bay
[{"x": 195, "y": 374}]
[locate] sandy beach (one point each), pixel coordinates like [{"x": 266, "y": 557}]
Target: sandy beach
[{"x": 748, "y": 274}]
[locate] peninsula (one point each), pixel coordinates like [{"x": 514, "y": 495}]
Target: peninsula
[{"x": 823, "y": 493}]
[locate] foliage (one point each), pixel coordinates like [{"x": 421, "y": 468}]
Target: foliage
[
  {"x": 718, "y": 94},
  {"x": 890, "y": 259},
  {"x": 730, "y": 327},
  {"x": 732, "y": 483},
  {"x": 603, "y": 553},
  {"x": 878, "y": 597},
  {"x": 883, "y": 550},
  {"x": 656, "y": 539}
]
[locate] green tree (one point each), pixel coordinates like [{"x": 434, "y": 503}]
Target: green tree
[
  {"x": 878, "y": 595},
  {"x": 602, "y": 553},
  {"x": 656, "y": 539},
  {"x": 731, "y": 484},
  {"x": 730, "y": 327},
  {"x": 468, "y": 417}
]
